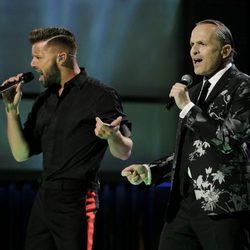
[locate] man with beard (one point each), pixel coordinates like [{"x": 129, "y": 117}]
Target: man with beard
[{"x": 72, "y": 123}]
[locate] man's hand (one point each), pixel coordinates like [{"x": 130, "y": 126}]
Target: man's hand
[
  {"x": 107, "y": 131},
  {"x": 120, "y": 146},
  {"x": 180, "y": 94},
  {"x": 136, "y": 174},
  {"x": 13, "y": 96}
]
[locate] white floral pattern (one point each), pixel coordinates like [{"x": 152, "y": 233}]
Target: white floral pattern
[
  {"x": 206, "y": 191},
  {"x": 199, "y": 149}
]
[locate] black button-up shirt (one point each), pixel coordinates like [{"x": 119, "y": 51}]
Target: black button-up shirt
[{"x": 62, "y": 127}]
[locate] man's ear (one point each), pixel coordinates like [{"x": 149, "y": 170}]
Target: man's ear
[
  {"x": 226, "y": 50},
  {"x": 61, "y": 57}
]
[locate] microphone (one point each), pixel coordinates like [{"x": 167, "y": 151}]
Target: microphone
[
  {"x": 26, "y": 77},
  {"x": 186, "y": 80}
]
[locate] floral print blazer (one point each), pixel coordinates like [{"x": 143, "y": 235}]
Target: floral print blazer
[{"x": 218, "y": 155}]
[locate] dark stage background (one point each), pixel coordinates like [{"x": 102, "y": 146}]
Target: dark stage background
[{"x": 139, "y": 47}]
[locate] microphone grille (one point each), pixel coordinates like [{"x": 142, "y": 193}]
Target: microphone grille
[
  {"x": 27, "y": 77},
  {"x": 187, "y": 78}
]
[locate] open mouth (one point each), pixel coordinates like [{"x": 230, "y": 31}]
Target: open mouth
[
  {"x": 41, "y": 75},
  {"x": 197, "y": 61}
]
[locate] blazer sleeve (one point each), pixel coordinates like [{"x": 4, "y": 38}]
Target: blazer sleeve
[{"x": 161, "y": 169}]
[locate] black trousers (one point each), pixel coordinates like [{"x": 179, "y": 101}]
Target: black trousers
[
  {"x": 62, "y": 217},
  {"x": 192, "y": 229}
]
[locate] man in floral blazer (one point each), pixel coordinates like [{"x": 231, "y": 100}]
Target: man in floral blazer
[{"x": 209, "y": 201}]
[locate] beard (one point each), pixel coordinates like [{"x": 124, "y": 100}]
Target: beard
[{"x": 51, "y": 76}]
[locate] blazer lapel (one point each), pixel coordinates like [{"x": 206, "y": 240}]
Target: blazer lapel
[
  {"x": 194, "y": 92},
  {"x": 220, "y": 85}
]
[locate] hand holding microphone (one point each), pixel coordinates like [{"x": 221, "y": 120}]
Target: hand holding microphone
[
  {"x": 178, "y": 93},
  {"x": 11, "y": 90},
  {"x": 13, "y": 81}
]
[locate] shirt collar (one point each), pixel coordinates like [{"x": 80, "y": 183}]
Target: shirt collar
[
  {"x": 215, "y": 78},
  {"x": 79, "y": 79}
]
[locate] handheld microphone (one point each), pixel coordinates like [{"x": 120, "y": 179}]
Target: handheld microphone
[
  {"x": 26, "y": 77},
  {"x": 186, "y": 80}
]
